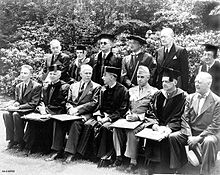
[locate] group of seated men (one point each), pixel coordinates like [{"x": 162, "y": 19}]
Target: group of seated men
[
  {"x": 104, "y": 88},
  {"x": 182, "y": 119}
]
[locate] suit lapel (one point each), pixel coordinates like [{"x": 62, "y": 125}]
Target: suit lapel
[
  {"x": 160, "y": 55},
  {"x": 88, "y": 87},
  {"x": 171, "y": 54},
  {"x": 21, "y": 87},
  {"x": 208, "y": 102},
  {"x": 29, "y": 88}
]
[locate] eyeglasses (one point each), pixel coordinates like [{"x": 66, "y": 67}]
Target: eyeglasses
[{"x": 104, "y": 43}]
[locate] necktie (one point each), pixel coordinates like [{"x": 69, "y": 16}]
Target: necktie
[
  {"x": 24, "y": 88},
  {"x": 166, "y": 53},
  {"x": 81, "y": 90},
  {"x": 102, "y": 63},
  {"x": 198, "y": 107},
  {"x": 50, "y": 92}
]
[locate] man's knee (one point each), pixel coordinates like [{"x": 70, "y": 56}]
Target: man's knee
[{"x": 208, "y": 140}]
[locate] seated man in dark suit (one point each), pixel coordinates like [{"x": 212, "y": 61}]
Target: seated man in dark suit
[
  {"x": 200, "y": 126},
  {"x": 82, "y": 101},
  {"x": 38, "y": 135},
  {"x": 27, "y": 97}
]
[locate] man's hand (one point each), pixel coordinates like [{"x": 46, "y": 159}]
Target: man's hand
[
  {"x": 104, "y": 120},
  {"x": 193, "y": 140},
  {"x": 16, "y": 104},
  {"x": 132, "y": 117},
  {"x": 12, "y": 108},
  {"x": 162, "y": 129},
  {"x": 73, "y": 111}
]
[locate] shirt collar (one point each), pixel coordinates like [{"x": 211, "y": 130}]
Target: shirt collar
[
  {"x": 113, "y": 85},
  {"x": 204, "y": 95}
]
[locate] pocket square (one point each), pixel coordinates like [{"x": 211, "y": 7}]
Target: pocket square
[
  {"x": 89, "y": 93},
  {"x": 174, "y": 58}
]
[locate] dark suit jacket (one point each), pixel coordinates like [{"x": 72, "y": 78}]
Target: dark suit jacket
[
  {"x": 129, "y": 71},
  {"x": 208, "y": 122},
  {"x": 97, "y": 63},
  {"x": 88, "y": 102},
  {"x": 215, "y": 72},
  {"x": 56, "y": 102},
  {"x": 30, "y": 99},
  {"x": 177, "y": 59},
  {"x": 63, "y": 60},
  {"x": 114, "y": 101}
]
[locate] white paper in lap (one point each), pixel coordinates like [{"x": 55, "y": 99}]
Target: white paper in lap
[{"x": 123, "y": 123}]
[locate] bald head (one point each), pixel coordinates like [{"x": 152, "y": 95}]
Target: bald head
[
  {"x": 167, "y": 37},
  {"x": 86, "y": 72},
  {"x": 55, "y": 47},
  {"x": 203, "y": 82}
]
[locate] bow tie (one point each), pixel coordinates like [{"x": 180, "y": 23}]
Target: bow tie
[{"x": 201, "y": 96}]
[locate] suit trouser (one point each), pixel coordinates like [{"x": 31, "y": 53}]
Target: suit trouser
[
  {"x": 104, "y": 140},
  {"x": 130, "y": 139},
  {"x": 14, "y": 126},
  {"x": 209, "y": 151},
  {"x": 86, "y": 143},
  {"x": 74, "y": 136}
]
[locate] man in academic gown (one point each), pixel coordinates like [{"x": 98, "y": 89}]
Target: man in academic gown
[
  {"x": 167, "y": 108},
  {"x": 27, "y": 97},
  {"x": 74, "y": 70},
  {"x": 131, "y": 62},
  {"x": 104, "y": 58},
  {"x": 200, "y": 126},
  {"x": 211, "y": 65},
  {"x": 114, "y": 105},
  {"x": 172, "y": 56}
]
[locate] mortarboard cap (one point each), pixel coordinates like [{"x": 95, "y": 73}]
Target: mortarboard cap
[
  {"x": 137, "y": 38},
  {"x": 54, "y": 68},
  {"x": 113, "y": 70},
  {"x": 80, "y": 47},
  {"x": 171, "y": 73},
  {"x": 210, "y": 47}
]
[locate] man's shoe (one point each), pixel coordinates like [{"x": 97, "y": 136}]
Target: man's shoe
[
  {"x": 54, "y": 156},
  {"x": 68, "y": 159},
  {"x": 10, "y": 145},
  {"x": 132, "y": 168},
  {"x": 117, "y": 162}
]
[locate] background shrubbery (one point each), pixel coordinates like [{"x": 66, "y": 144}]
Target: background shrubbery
[{"x": 27, "y": 27}]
